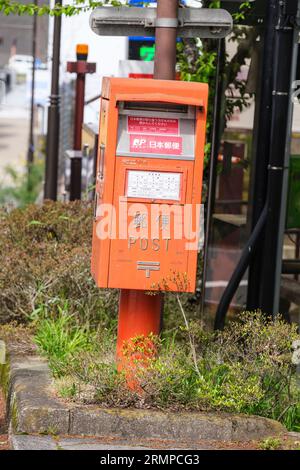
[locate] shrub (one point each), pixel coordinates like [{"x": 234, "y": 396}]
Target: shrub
[
  {"x": 45, "y": 260},
  {"x": 245, "y": 369}
]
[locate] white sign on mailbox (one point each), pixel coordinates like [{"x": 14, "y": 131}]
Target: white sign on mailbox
[{"x": 153, "y": 185}]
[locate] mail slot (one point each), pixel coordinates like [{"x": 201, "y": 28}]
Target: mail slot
[{"x": 149, "y": 184}]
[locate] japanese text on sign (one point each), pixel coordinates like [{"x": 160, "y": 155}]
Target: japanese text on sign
[
  {"x": 153, "y": 185},
  {"x": 153, "y": 144},
  {"x": 152, "y": 125}
]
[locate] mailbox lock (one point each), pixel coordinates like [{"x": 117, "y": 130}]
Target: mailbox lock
[{"x": 100, "y": 176}]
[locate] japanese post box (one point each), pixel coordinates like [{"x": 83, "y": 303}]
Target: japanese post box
[{"x": 149, "y": 184}]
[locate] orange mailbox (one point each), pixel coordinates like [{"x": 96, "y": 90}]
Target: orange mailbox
[{"x": 149, "y": 184}]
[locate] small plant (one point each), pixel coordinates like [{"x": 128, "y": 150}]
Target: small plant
[
  {"x": 59, "y": 338},
  {"x": 66, "y": 387},
  {"x": 140, "y": 350},
  {"x": 25, "y": 187},
  {"x": 270, "y": 443}
]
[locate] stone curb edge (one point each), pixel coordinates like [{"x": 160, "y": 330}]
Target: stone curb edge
[{"x": 32, "y": 407}]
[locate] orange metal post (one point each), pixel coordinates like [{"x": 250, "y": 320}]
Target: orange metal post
[{"x": 139, "y": 315}]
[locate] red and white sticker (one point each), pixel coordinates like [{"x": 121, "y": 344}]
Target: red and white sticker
[
  {"x": 140, "y": 75},
  {"x": 152, "y": 125},
  {"x": 162, "y": 145}
]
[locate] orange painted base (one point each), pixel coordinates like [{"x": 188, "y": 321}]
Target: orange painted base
[{"x": 139, "y": 315}]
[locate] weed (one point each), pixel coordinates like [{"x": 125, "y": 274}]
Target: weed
[
  {"x": 59, "y": 338},
  {"x": 270, "y": 443}
]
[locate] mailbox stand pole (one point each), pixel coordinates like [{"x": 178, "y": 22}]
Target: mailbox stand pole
[
  {"x": 165, "y": 39},
  {"x": 140, "y": 314}
]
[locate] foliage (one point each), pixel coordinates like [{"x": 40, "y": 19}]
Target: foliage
[
  {"x": 18, "y": 8},
  {"x": 25, "y": 187},
  {"x": 45, "y": 261},
  {"x": 245, "y": 369},
  {"x": 270, "y": 443},
  {"x": 59, "y": 337},
  {"x": 46, "y": 251},
  {"x": 77, "y": 6},
  {"x": 197, "y": 62}
]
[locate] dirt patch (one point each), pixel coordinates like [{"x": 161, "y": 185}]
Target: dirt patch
[{"x": 18, "y": 339}]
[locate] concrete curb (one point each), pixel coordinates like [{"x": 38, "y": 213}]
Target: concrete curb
[{"x": 33, "y": 408}]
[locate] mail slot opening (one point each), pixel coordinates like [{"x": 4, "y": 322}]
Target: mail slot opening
[{"x": 161, "y": 107}]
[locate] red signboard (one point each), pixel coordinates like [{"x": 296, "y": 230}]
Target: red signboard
[
  {"x": 152, "y": 125},
  {"x": 140, "y": 75},
  {"x": 157, "y": 144}
]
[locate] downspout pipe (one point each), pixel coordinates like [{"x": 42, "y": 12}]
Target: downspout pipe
[{"x": 247, "y": 255}]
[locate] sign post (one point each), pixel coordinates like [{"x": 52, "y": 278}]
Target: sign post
[{"x": 81, "y": 67}]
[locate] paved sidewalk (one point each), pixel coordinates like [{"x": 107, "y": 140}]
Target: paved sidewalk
[
  {"x": 27, "y": 442},
  {"x": 289, "y": 441}
]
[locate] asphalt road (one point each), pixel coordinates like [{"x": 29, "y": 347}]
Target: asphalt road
[{"x": 14, "y": 131}]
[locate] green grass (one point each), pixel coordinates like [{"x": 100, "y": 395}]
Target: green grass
[
  {"x": 245, "y": 369},
  {"x": 58, "y": 339}
]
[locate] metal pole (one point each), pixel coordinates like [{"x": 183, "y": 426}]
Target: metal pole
[
  {"x": 261, "y": 151},
  {"x": 139, "y": 313},
  {"x": 165, "y": 40},
  {"x": 212, "y": 167},
  {"x": 30, "y": 154},
  {"x": 284, "y": 69},
  {"x": 76, "y": 162},
  {"x": 79, "y": 110},
  {"x": 247, "y": 254},
  {"x": 81, "y": 67},
  {"x": 75, "y": 178},
  {"x": 283, "y": 59},
  {"x": 53, "y": 117}
]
